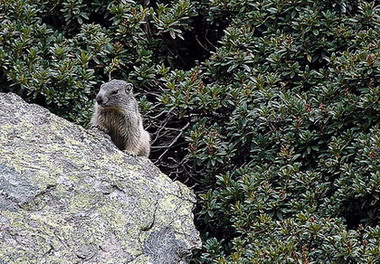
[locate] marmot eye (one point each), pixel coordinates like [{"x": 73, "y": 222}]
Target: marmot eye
[{"x": 114, "y": 92}]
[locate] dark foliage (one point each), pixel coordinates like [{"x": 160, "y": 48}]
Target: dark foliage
[{"x": 269, "y": 109}]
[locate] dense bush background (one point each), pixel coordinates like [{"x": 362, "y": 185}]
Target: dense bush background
[{"x": 269, "y": 109}]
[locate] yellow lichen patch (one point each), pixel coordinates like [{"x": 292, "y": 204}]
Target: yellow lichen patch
[{"x": 82, "y": 201}]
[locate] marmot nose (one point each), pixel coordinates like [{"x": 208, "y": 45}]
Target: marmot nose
[{"x": 99, "y": 99}]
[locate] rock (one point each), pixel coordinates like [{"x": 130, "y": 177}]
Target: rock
[{"x": 68, "y": 195}]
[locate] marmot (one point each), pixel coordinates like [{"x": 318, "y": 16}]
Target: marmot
[{"x": 116, "y": 113}]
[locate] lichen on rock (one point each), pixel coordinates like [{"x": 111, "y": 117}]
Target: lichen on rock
[{"x": 68, "y": 195}]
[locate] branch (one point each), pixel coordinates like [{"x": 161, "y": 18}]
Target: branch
[{"x": 173, "y": 142}]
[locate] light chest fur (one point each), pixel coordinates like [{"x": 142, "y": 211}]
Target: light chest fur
[{"x": 119, "y": 126}]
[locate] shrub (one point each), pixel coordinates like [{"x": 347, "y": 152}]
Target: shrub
[{"x": 269, "y": 108}]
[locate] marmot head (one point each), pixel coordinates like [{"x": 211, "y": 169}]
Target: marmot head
[{"x": 115, "y": 93}]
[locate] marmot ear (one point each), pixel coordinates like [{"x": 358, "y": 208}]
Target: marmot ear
[{"x": 129, "y": 88}]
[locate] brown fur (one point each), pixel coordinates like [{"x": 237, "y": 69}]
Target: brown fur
[{"x": 116, "y": 113}]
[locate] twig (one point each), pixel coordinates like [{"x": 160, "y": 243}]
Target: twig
[
  {"x": 174, "y": 141},
  {"x": 203, "y": 46}
]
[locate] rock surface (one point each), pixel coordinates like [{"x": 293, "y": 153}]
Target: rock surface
[{"x": 68, "y": 195}]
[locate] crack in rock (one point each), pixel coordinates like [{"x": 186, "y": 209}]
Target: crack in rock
[{"x": 164, "y": 248}]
